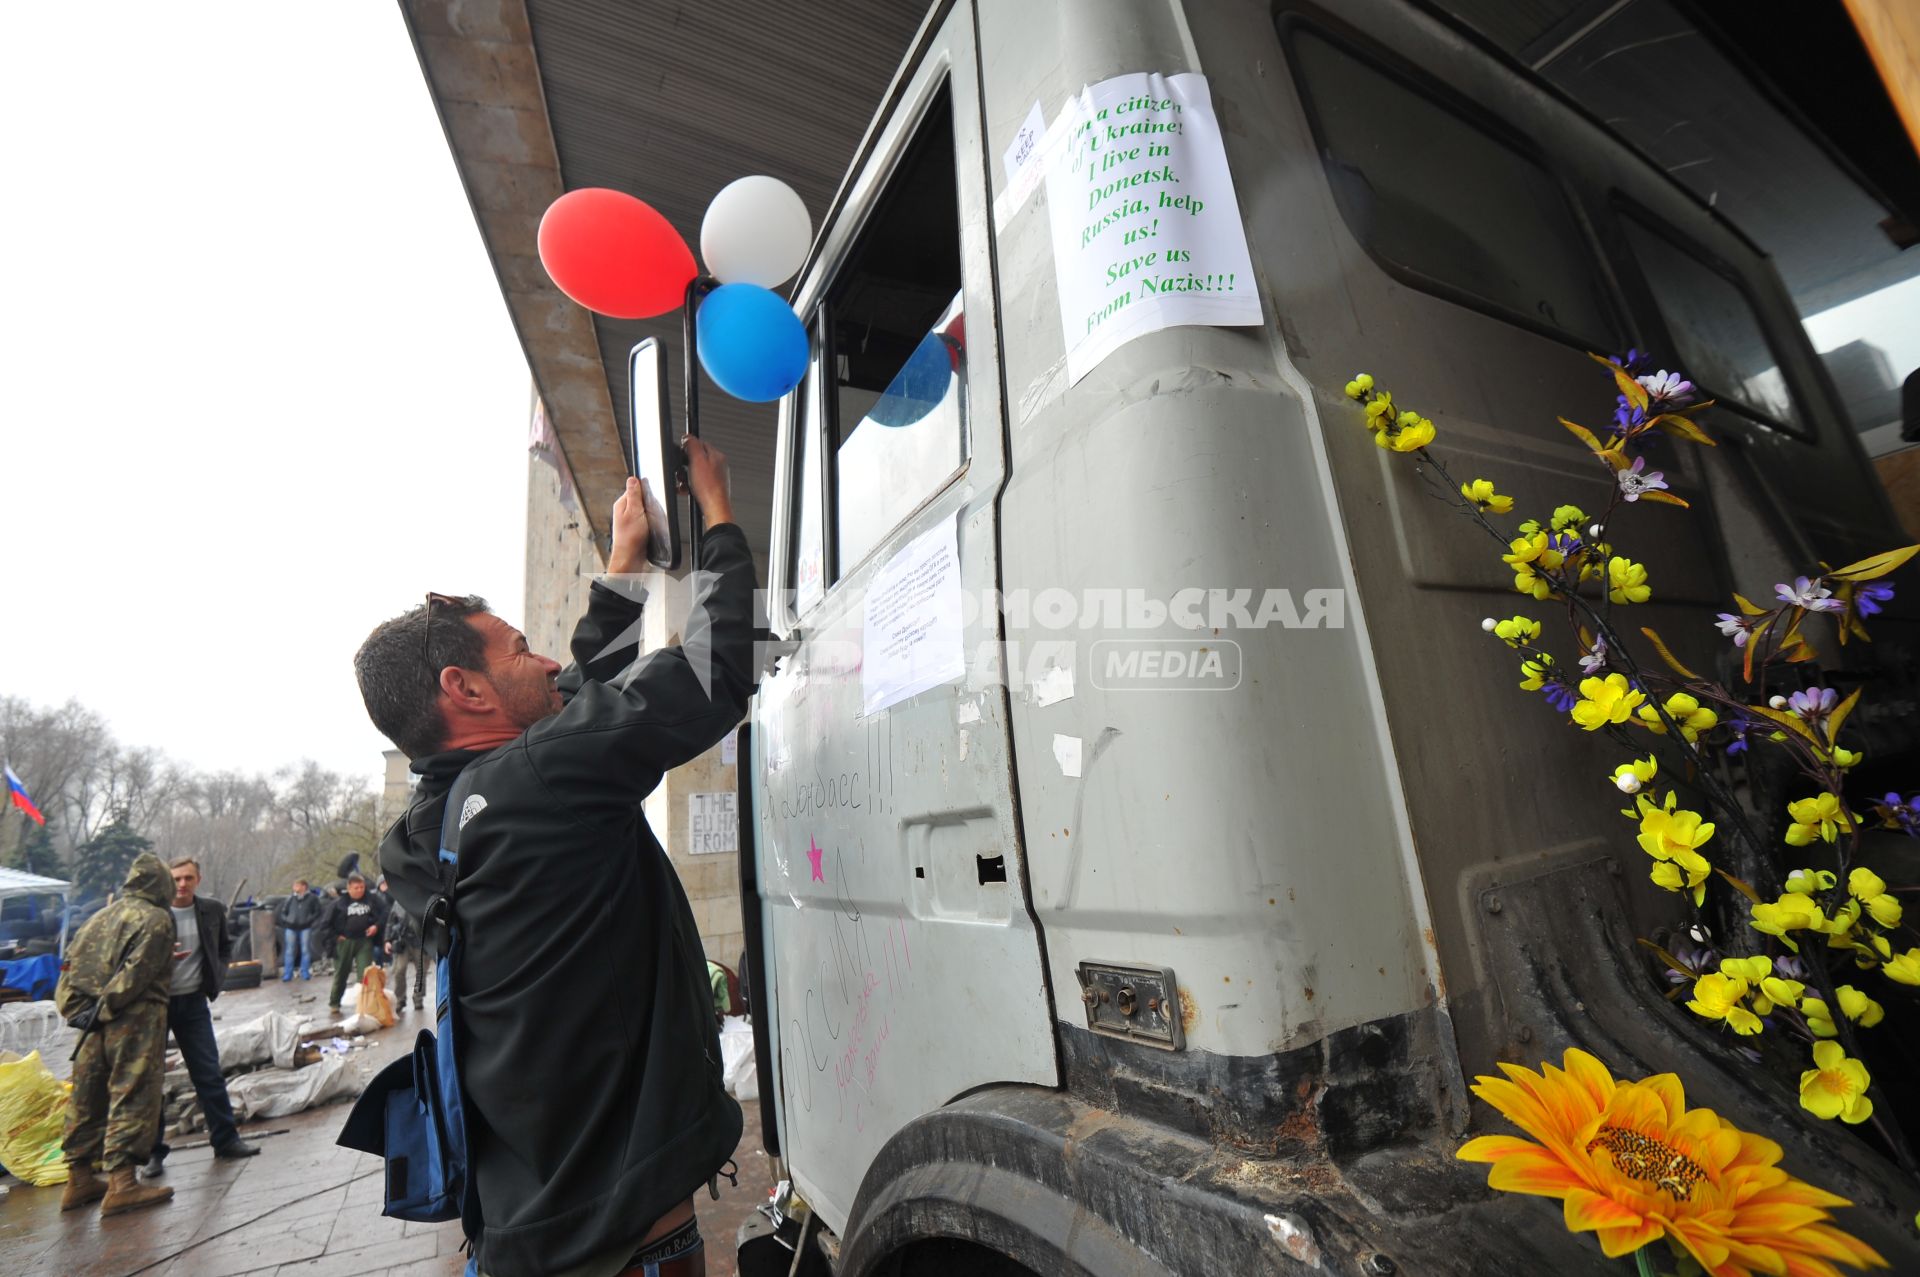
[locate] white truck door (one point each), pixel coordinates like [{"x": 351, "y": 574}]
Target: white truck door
[{"x": 905, "y": 964}]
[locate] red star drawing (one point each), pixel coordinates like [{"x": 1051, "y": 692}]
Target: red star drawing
[{"x": 814, "y": 852}]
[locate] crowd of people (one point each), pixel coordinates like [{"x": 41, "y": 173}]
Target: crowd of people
[{"x": 147, "y": 967}]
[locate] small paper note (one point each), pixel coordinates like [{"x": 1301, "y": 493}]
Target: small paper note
[{"x": 1066, "y": 752}]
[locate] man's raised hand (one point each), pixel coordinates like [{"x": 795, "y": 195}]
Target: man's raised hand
[
  {"x": 629, "y": 553},
  {"x": 707, "y": 478}
]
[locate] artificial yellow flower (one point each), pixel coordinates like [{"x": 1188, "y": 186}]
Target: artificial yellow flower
[
  {"x": 1858, "y": 1007},
  {"x": 1870, "y": 889},
  {"x": 1845, "y": 758},
  {"x": 1904, "y": 969},
  {"x": 1805, "y": 882},
  {"x": 1627, "y": 582},
  {"x": 1359, "y": 386},
  {"x": 1529, "y": 555},
  {"x": 1687, "y": 871},
  {"x": 1752, "y": 970},
  {"x": 1480, "y": 492},
  {"x": 1791, "y": 912},
  {"x": 1631, "y": 1163},
  {"x": 1567, "y": 516},
  {"x": 1819, "y": 1019},
  {"x": 1675, "y": 838},
  {"x": 1692, "y": 717},
  {"x": 1723, "y": 997},
  {"x": 1821, "y": 817},
  {"x": 1605, "y": 700},
  {"x": 1517, "y": 630},
  {"x": 1534, "y": 673},
  {"x": 1776, "y": 991},
  {"x": 1836, "y": 1085},
  {"x": 1406, "y": 433},
  {"x": 1631, "y": 778}
]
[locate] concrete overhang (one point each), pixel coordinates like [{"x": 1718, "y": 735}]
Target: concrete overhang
[{"x": 668, "y": 102}]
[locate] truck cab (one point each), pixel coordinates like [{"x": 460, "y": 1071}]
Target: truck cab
[{"x": 1143, "y": 846}]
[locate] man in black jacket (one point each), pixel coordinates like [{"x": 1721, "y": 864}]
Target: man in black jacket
[
  {"x": 201, "y": 948},
  {"x": 588, "y": 1053},
  {"x": 356, "y": 921},
  {"x": 297, "y": 915}
]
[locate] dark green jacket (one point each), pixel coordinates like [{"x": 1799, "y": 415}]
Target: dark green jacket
[{"x": 123, "y": 955}]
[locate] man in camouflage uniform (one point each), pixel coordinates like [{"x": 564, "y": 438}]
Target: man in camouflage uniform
[{"x": 119, "y": 967}]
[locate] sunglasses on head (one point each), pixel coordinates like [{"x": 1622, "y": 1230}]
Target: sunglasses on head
[{"x": 444, "y": 600}]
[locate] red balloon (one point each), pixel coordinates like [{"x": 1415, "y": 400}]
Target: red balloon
[{"x": 615, "y": 254}]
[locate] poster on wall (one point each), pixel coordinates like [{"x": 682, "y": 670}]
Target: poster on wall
[
  {"x": 713, "y": 824},
  {"x": 1146, "y": 228}
]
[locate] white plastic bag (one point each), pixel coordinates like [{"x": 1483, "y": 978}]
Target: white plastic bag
[{"x": 736, "y": 1058}]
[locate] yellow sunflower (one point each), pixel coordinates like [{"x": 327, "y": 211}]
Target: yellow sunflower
[{"x": 1630, "y": 1162}]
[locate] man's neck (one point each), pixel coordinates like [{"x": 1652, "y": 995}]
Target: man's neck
[{"x": 481, "y": 738}]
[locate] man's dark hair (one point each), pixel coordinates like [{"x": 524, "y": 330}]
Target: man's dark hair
[
  {"x": 354, "y": 877},
  {"x": 400, "y": 678}
]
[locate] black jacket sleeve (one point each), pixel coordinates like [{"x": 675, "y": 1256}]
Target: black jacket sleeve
[{"x": 627, "y": 724}]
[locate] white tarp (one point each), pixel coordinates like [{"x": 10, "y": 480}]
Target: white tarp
[
  {"x": 26, "y": 1027},
  {"x": 736, "y": 1058},
  {"x": 271, "y": 1039},
  {"x": 278, "y": 1092}
]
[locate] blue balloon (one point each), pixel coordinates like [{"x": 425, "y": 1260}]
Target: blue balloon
[
  {"x": 919, "y": 386},
  {"x": 751, "y": 343}
]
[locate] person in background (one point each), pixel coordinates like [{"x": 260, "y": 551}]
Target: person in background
[
  {"x": 357, "y": 918},
  {"x": 382, "y": 951},
  {"x": 200, "y": 952},
  {"x": 405, "y": 946},
  {"x": 321, "y": 936},
  {"x": 113, "y": 987},
  {"x": 297, "y": 915}
]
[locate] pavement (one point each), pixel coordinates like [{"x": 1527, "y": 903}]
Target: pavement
[{"x": 303, "y": 1206}]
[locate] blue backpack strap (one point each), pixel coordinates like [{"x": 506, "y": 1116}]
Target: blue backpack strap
[{"x": 441, "y": 928}]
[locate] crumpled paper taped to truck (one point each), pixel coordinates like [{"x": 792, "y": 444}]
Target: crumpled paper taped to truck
[
  {"x": 33, "y": 1117},
  {"x": 271, "y": 1039},
  {"x": 278, "y": 1092}
]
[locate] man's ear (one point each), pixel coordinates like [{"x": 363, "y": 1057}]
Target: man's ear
[{"x": 466, "y": 691}]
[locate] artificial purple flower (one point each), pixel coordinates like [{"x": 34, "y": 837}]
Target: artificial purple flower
[
  {"x": 1665, "y": 387},
  {"x": 1564, "y": 542},
  {"x": 1813, "y": 704},
  {"x": 1871, "y": 598},
  {"x": 1902, "y": 813},
  {"x": 1626, "y": 417},
  {"x": 1737, "y": 628},
  {"x": 1632, "y": 360},
  {"x": 1638, "y": 479},
  {"x": 1560, "y": 695},
  {"x": 1740, "y": 725},
  {"x": 1808, "y": 593},
  {"x": 1596, "y": 660},
  {"x": 1789, "y": 967}
]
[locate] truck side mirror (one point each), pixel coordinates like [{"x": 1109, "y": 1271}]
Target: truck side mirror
[
  {"x": 1910, "y": 408},
  {"x": 657, "y": 459}
]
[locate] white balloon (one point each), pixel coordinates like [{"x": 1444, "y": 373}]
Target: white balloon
[{"x": 756, "y": 231}]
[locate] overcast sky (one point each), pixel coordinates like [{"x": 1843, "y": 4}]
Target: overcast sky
[{"x": 262, "y": 391}]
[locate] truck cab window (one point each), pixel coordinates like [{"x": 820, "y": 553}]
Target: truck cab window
[
  {"x": 896, "y": 342},
  {"x": 1444, "y": 205},
  {"x": 1717, "y": 336}
]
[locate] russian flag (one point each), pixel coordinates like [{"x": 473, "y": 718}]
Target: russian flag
[{"x": 17, "y": 790}]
